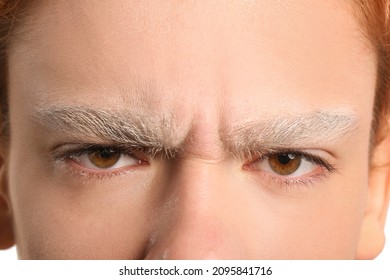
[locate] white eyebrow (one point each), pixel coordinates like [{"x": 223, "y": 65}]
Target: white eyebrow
[
  {"x": 159, "y": 134},
  {"x": 133, "y": 130},
  {"x": 292, "y": 131}
]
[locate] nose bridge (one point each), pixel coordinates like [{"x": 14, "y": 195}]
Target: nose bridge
[{"x": 197, "y": 222}]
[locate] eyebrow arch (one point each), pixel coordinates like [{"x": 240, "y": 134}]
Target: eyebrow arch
[
  {"x": 134, "y": 131},
  {"x": 289, "y": 132}
]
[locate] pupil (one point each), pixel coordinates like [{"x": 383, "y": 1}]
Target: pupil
[
  {"x": 284, "y": 159},
  {"x": 106, "y": 153},
  {"x": 104, "y": 157},
  {"x": 285, "y": 164}
]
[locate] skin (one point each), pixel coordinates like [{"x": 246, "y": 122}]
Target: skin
[{"x": 198, "y": 72}]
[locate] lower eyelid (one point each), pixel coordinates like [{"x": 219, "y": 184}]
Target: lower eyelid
[
  {"x": 274, "y": 181},
  {"x": 84, "y": 173},
  {"x": 295, "y": 183},
  {"x": 75, "y": 170},
  {"x": 284, "y": 185}
]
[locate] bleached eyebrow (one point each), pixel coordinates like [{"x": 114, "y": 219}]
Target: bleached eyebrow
[
  {"x": 292, "y": 131},
  {"x": 159, "y": 134},
  {"x": 132, "y": 130}
]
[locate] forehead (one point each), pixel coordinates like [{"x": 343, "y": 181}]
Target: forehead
[{"x": 174, "y": 54}]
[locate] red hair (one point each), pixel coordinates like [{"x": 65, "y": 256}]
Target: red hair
[{"x": 372, "y": 15}]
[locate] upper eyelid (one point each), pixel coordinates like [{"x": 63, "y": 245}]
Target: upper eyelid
[
  {"x": 77, "y": 149},
  {"x": 307, "y": 155},
  {"x": 74, "y": 149}
]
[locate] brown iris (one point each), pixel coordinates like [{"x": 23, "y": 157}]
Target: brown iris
[
  {"x": 104, "y": 158},
  {"x": 284, "y": 164}
]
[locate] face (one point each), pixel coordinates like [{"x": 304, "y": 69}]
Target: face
[{"x": 194, "y": 130}]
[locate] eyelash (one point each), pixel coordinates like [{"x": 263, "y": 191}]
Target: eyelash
[
  {"x": 326, "y": 168},
  {"x": 68, "y": 155},
  {"x": 148, "y": 154}
]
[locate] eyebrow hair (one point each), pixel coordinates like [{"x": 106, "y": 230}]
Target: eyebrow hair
[
  {"x": 287, "y": 132},
  {"x": 159, "y": 134},
  {"x": 134, "y": 131}
]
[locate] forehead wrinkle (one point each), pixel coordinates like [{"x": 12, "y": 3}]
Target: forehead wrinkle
[
  {"x": 122, "y": 127},
  {"x": 289, "y": 131}
]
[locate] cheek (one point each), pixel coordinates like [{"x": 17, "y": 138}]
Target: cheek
[
  {"x": 58, "y": 217},
  {"x": 321, "y": 220},
  {"x": 321, "y": 224}
]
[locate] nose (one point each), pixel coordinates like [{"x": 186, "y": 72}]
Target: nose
[{"x": 198, "y": 219}]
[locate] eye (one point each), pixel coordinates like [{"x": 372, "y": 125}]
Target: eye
[
  {"x": 286, "y": 164},
  {"x": 104, "y": 158},
  {"x": 290, "y": 165}
]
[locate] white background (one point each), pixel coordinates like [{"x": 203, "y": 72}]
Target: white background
[{"x": 10, "y": 254}]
